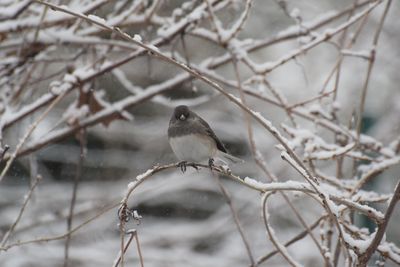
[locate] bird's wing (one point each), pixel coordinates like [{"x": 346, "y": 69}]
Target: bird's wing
[{"x": 211, "y": 133}]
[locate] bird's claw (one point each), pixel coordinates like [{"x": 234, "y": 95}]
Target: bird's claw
[
  {"x": 211, "y": 163},
  {"x": 182, "y": 165},
  {"x": 193, "y": 165}
]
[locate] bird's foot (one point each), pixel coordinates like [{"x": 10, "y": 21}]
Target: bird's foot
[
  {"x": 182, "y": 165},
  {"x": 193, "y": 165},
  {"x": 211, "y": 163}
]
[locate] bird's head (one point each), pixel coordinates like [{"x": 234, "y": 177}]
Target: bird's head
[{"x": 181, "y": 113}]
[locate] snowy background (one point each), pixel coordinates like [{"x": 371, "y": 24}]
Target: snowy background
[{"x": 100, "y": 106}]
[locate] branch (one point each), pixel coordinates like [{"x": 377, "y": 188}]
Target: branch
[
  {"x": 27, "y": 199},
  {"x": 281, "y": 248},
  {"x": 364, "y": 258},
  {"x": 29, "y": 132},
  {"x": 62, "y": 236}
]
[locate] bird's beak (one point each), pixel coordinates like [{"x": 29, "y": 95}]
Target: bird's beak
[{"x": 182, "y": 117}]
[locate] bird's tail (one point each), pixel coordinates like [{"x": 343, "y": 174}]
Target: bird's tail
[{"x": 225, "y": 156}]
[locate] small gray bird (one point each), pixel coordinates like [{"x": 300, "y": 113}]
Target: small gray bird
[{"x": 193, "y": 140}]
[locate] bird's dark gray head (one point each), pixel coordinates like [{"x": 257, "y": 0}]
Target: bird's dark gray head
[{"x": 181, "y": 113}]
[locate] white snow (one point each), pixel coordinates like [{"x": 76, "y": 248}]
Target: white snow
[
  {"x": 288, "y": 185},
  {"x": 69, "y": 78},
  {"x": 323, "y": 155},
  {"x": 136, "y": 215},
  {"x": 295, "y": 13},
  {"x": 84, "y": 72},
  {"x": 10, "y": 10},
  {"x": 153, "y": 47},
  {"x": 97, "y": 19},
  {"x": 73, "y": 113},
  {"x": 177, "y": 12},
  {"x": 368, "y": 169},
  {"x": 237, "y": 48},
  {"x": 144, "y": 175},
  {"x": 58, "y": 88},
  {"x": 317, "y": 109},
  {"x": 137, "y": 38},
  {"x": 390, "y": 249},
  {"x": 131, "y": 185},
  {"x": 359, "y": 245}
]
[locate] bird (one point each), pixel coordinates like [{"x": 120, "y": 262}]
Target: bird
[{"x": 192, "y": 139}]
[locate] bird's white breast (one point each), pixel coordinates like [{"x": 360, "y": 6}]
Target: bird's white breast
[{"x": 193, "y": 147}]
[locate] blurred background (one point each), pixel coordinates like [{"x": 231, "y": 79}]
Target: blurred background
[{"x": 113, "y": 105}]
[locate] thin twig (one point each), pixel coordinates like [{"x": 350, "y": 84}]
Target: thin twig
[
  {"x": 235, "y": 216},
  {"x": 29, "y": 132},
  {"x": 296, "y": 238},
  {"x": 364, "y": 258},
  {"x": 370, "y": 66},
  {"x": 282, "y": 249},
  {"x": 21, "y": 211},
  {"x": 133, "y": 234},
  {"x": 78, "y": 174},
  {"x": 61, "y": 236},
  {"x": 3, "y": 152}
]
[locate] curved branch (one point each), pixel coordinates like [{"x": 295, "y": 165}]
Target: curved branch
[{"x": 281, "y": 248}]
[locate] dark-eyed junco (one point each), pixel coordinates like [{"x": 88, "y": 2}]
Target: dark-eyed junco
[{"x": 193, "y": 140}]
